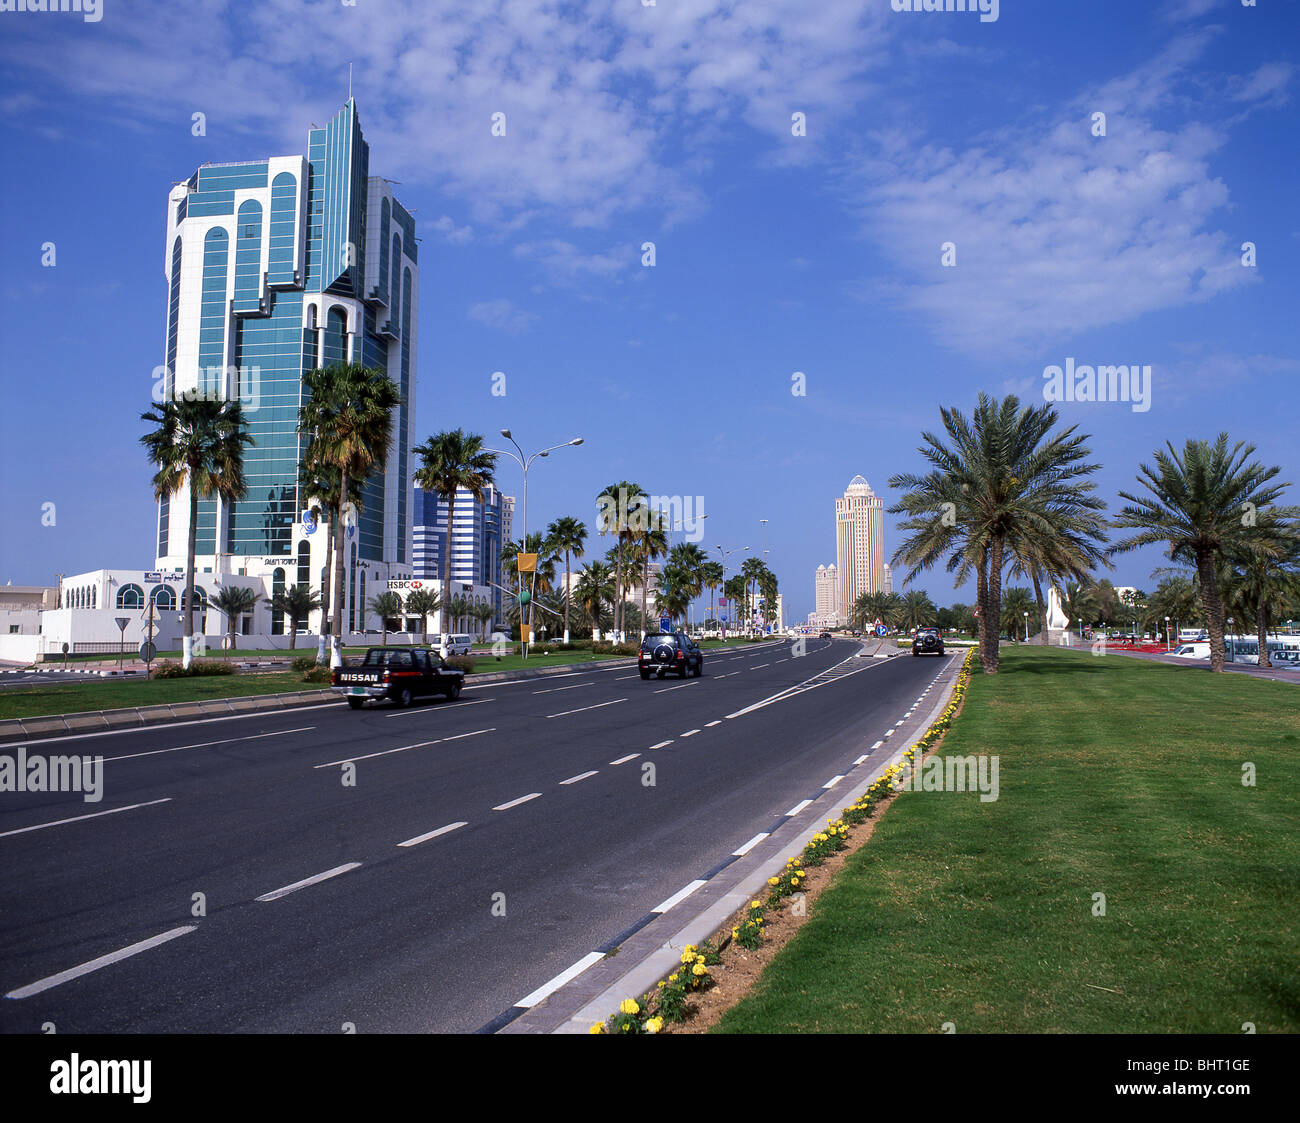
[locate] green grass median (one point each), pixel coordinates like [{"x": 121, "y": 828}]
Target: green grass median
[{"x": 1116, "y": 777}]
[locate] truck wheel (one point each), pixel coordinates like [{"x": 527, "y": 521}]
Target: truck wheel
[
  {"x": 453, "y": 692},
  {"x": 405, "y": 697},
  {"x": 356, "y": 703}
]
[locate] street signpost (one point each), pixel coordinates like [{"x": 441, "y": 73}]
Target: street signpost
[
  {"x": 665, "y": 623},
  {"x": 121, "y": 622}
]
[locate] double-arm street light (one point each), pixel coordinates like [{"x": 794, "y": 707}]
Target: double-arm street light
[
  {"x": 525, "y": 462},
  {"x": 722, "y": 556}
]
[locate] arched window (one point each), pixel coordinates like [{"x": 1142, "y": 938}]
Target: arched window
[
  {"x": 130, "y": 596},
  {"x": 384, "y": 213},
  {"x": 94, "y": 596},
  {"x": 284, "y": 219},
  {"x": 394, "y": 296},
  {"x": 277, "y": 586},
  {"x": 248, "y": 257},
  {"x": 163, "y": 598},
  {"x": 304, "y": 564},
  {"x": 352, "y": 590}
]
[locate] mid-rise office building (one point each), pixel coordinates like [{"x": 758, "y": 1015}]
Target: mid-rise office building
[
  {"x": 827, "y": 592},
  {"x": 476, "y": 539},
  {"x": 275, "y": 267},
  {"x": 860, "y": 544}
]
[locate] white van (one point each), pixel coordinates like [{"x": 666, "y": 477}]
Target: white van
[
  {"x": 456, "y": 644},
  {"x": 1192, "y": 635}
]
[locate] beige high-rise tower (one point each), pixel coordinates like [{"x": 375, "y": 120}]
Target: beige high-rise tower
[{"x": 859, "y": 544}]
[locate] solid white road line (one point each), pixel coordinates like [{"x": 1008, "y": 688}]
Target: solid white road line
[
  {"x": 832, "y": 781},
  {"x": 798, "y": 807},
  {"x": 403, "y": 748},
  {"x": 750, "y": 845},
  {"x": 95, "y": 964},
  {"x": 517, "y": 802},
  {"x": 580, "y": 776},
  {"x": 276, "y": 894},
  {"x": 208, "y": 744},
  {"x": 679, "y": 896},
  {"x": 78, "y": 818},
  {"x": 625, "y": 759},
  {"x": 662, "y": 745},
  {"x": 547, "y": 989},
  {"x": 689, "y": 733},
  {"x": 414, "y": 710},
  {"x": 584, "y": 709},
  {"x": 419, "y": 838}
]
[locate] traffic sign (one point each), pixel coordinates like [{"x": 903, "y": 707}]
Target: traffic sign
[
  {"x": 148, "y": 652},
  {"x": 881, "y": 630},
  {"x": 665, "y": 623}
]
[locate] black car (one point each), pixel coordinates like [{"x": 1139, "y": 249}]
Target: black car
[
  {"x": 927, "y": 641},
  {"x": 400, "y": 673},
  {"x": 670, "y": 651},
  {"x": 824, "y": 635}
]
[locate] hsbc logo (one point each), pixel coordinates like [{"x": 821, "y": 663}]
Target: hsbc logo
[{"x": 402, "y": 586}]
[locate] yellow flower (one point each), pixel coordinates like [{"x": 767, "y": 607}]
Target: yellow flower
[
  {"x": 672, "y": 978},
  {"x": 774, "y": 881},
  {"x": 629, "y": 1006},
  {"x": 755, "y": 905},
  {"x": 654, "y": 1025},
  {"x": 699, "y": 969},
  {"x": 661, "y": 984},
  {"x": 597, "y": 1028}
]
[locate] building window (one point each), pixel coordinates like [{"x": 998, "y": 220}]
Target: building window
[
  {"x": 277, "y": 586},
  {"x": 130, "y": 596},
  {"x": 164, "y": 599}
]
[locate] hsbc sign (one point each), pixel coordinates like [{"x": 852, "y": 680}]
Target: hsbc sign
[{"x": 403, "y": 586}]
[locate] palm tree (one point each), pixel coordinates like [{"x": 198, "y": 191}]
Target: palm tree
[
  {"x": 387, "y": 606},
  {"x": 649, "y": 542},
  {"x": 347, "y": 414},
  {"x": 423, "y": 603},
  {"x": 1015, "y": 603},
  {"x": 918, "y": 609},
  {"x": 595, "y": 590},
  {"x": 1175, "y": 597},
  {"x": 1204, "y": 504},
  {"x": 483, "y": 612},
  {"x": 689, "y": 561},
  {"x": 623, "y": 507},
  {"x": 318, "y": 484},
  {"x": 736, "y": 591},
  {"x": 712, "y": 574},
  {"x": 235, "y": 601},
  {"x": 672, "y": 593},
  {"x": 457, "y": 609},
  {"x": 297, "y": 602},
  {"x": 751, "y": 571},
  {"x": 1004, "y": 476},
  {"x": 1265, "y": 575},
  {"x": 199, "y": 443},
  {"x": 570, "y": 536},
  {"x": 1062, "y": 547},
  {"x": 452, "y": 461},
  {"x": 870, "y": 607}
]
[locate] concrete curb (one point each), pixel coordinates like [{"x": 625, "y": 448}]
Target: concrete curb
[
  {"x": 54, "y": 725},
  {"x": 652, "y": 948}
]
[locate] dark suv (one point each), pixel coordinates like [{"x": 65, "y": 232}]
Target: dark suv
[
  {"x": 670, "y": 651},
  {"x": 927, "y": 641}
]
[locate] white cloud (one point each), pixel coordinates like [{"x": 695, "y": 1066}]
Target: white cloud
[
  {"x": 503, "y": 315},
  {"x": 1056, "y": 231},
  {"x": 563, "y": 261},
  {"x": 457, "y": 235}
]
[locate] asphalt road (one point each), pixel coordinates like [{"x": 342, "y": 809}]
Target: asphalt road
[{"x": 473, "y": 849}]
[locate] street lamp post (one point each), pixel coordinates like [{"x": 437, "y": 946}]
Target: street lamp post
[
  {"x": 1026, "y": 615},
  {"x": 1167, "y": 645},
  {"x": 722, "y": 556},
  {"x": 525, "y": 461}
]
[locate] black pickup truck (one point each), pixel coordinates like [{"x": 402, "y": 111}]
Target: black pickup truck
[{"x": 400, "y": 673}]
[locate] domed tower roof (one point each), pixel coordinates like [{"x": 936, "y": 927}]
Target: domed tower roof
[{"x": 858, "y": 484}]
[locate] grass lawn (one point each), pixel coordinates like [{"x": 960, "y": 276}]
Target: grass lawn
[
  {"x": 114, "y": 694},
  {"x": 1118, "y": 777}
]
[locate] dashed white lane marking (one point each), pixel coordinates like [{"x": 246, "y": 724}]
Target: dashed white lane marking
[
  {"x": 624, "y": 759},
  {"x": 889, "y": 733},
  {"x": 861, "y": 760},
  {"x": 419, "y": 838},
  {"x": 877, "y": 745},
  {"x": 798, "y": 807},
  {"x": 679, "y": 896},
  {"x": 760, "y": 666},
  {"x": 750, "y": 845},
  {"x": 207, "y": 744},
  {"x": 580, "y": 776},
  {"x": 711, "y": 724},
  {"x": 689, "y": 733},
  {"x": 517, "y": 802},
  {"x": 897, "y": 724},
  {"x": 95, "y": 964},
  {"x": 557, "y": 689},
  {"x": 832, "y": 781},
  {"x": 624, "y": 678},
  {"x": 662, "y": 745},
  {"x": 680, "y": 686},
  {"x": 315, "y": 879},
  {"x": 403, "y": 748},
  {"x": 584, "y": 709},
  {"x": 78, "y": 818},
  {"x": 547, "y": 989},
  {"x": 416, "y": 710}
]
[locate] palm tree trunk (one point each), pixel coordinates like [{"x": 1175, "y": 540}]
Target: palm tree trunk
[
  {"x": 1042, "y": 610},
  {"x": 187, "y": 642},
  {"x": 995, "y": 605},
  {"x": 336, "y": 626},
  {"x": 293, "y": 632},
  {"x": 982, "y": 604},
  {"x": 325, "y": 587},
  {"x": 645, "y": 580},
  {"x": 1261, "y": 623},
  {"x": 1213, "y": 609}
]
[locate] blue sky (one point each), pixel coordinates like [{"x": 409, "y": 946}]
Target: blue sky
[{"x": 775, "y": 253}]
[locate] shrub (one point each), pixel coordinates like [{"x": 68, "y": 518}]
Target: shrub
[
  {"x": 304, "y": 662},
  {"x": 316, "y": 674},
  {"x": 461, "y": 663},
  {"x": 172, "y": 669}
]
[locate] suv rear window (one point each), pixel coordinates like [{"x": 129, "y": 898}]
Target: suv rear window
[{"x": 651, "y": 642}]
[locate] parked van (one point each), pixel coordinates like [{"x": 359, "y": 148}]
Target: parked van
[
  {"x": 1191, "y": 635},
  {"x": 456, "y": 644}
]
